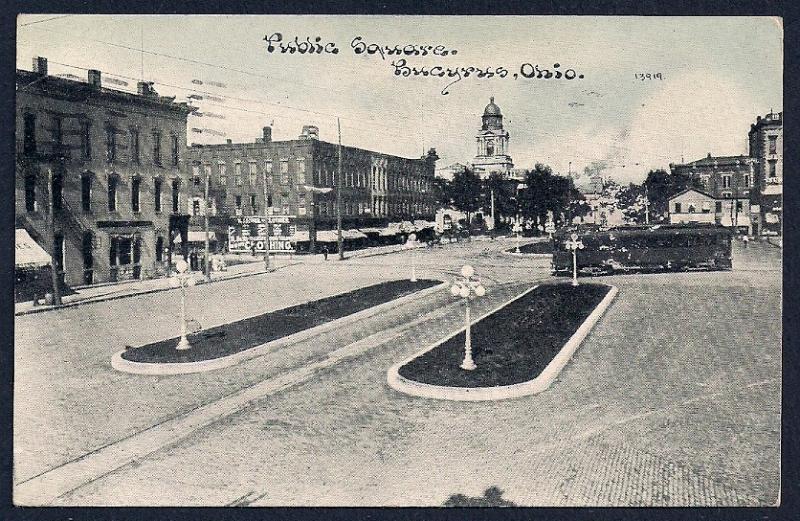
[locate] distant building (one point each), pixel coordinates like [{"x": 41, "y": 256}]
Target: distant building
[
  {"x": 730, "y": 181},
  {"x": 376, "y": 188},
  {"x": 694, "y": 206},
  {"x": 113, "y": 164},
  {"x": 449, "y": 172},
  {"x": 766, "y": 147}
]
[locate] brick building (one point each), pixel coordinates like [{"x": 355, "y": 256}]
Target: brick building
[
  {"x": 113, "y": 165},
  {"x": 730, "y": 181},
  {"x": 377, "y": 188},
  {"x": 766, "y": 147}
]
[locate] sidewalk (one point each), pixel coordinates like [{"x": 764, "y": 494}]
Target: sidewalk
[{"x": 102, "y": 292}]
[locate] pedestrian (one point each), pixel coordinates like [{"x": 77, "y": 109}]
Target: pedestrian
[
  {"x": 746, "y": 240},
  {"x": 325, "y": 252},
  {"x": 253, "y": 248},
  {"x": 193, "y": 261}
]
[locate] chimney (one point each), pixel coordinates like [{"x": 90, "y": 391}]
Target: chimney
[
  {"x": 40, "y": 65},
  {"x": 145, "y": 88},
  {"x": 267, "y": 134},
  {"x": 229, "y": 141},
  {"x": 94, "y": 78}
]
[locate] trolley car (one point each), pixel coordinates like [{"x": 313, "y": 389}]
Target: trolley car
[{"x": 667, "y": 247}]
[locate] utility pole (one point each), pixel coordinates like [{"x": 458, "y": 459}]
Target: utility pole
[
  {"x": 206, "y": 267},
  {"x": 491, "y": 191},
  {"x": 339, "y": 242},
  {"x": 266, "y": 217},
  {"x": 646, "y": 206},
  {"x": 54, "y": 263}
]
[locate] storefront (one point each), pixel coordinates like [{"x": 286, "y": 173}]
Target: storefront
[{"x": 32, "y": 276}]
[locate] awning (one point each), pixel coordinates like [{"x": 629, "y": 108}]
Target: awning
[
  {"x": 27, "y": 253},
  {"x": 353, "y": 234},
  {"x": 300, "y": 237},
  {"x": 389, "y": 232},
  {"x": 327, "y": 236},
  {"x": 369, "y": 230},
  {"x": 422, "y": 224},
  {"x": 197, "y": 237}
]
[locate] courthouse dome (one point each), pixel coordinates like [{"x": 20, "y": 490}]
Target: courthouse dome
[{"x": 492, "y": 109}]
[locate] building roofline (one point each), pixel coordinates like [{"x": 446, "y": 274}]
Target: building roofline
[
  {"x": 311, "y": 142},
  {"x": 81, "y": 87},
  {"x": 692, "y": 190}
]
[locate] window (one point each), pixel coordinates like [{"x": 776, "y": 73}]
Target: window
[
  {"x": 706, "y": 207},
  {"x": 176, "y": 195},
  {"x": 134, "y": 136},
  {"x": 238, "y": 200},
  {"x": 56, "y": 190},
  {"x": 269, "y": 201},
  {"x": 29, "y": 136},
  {"x": 691, "y": 208},
  {"x": 746, "y": 181},
  {"x": 136, "y": 184},
  {"x": 196, "y": 174},
  {"x": 223, "y": 174},
  {"x": 718, "y": 207},
  {"x": 677, "y": 207},
  {"x": 112, "y": 193},
  {"x": 286, "y": 209},
  {"x": 739, "y": 206},
  {"x": 86, "y": 193},
  {"x": 157, "y": 147},
  {"x": 726, "y": 181},
  {"x": 86, "y": 139},
  {"x": 157, "y": 193},
  {"x": 726, "y": 195},
  {"x": 253, "y": 204},
  {"x": 301, "y": 165},
  {"x": 772, "y": 169},
  {"x": 124, "y": 250},
  {"x": 30, "y": 193},
  {"x": 207, "y": 172},
  {"x": 285, "y": 179},
  {"x": 284, "y": 166},
  {"x": 268, "y": 166},
  {"x": 58, "y": 136},
  {"x": 111, "y": 144},
  {"x": 237, "y": 174},
  {"x": 159, "y": 249},
  {"x": 773, "y": 144},
  {"x": 253, "y": 173},
  {"x": 175, "y": 151},
  {"x": 195, "y": 207}
]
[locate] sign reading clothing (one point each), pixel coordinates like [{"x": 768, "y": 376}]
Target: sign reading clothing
[{"x": 251, "y": 232}]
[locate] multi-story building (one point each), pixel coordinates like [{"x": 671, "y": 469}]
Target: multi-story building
[
  {"x": 292, "y": 178},
  {"x": 766, "y": 147},
  {"x": 100, "y": 174},
  {"x": 730, "y": 181}
]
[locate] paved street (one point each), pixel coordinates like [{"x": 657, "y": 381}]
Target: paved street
[{"x": 673, "y": 399}]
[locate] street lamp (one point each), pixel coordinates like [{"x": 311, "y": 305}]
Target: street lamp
[
  {"x": 411, "y": 244},
  {"x": 465, "y": 287},
  {"x": 518, "y": 230},
  {"x": 574, "y": 244},
  {"x": 182, "y": 279}
]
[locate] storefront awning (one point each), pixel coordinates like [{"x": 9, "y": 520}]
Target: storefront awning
[{"x": 27, "y": 253}]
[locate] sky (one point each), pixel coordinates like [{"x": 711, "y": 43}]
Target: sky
[{"x": 715, "y": 75}]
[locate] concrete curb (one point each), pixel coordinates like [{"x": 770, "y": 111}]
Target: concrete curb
[
  {"x": 106, "y": 298},
  {"x": 535, "y": 386},
  {"x": 161, "y": 369}
]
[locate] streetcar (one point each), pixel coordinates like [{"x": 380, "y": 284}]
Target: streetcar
[{"x": 665, "y": 247}]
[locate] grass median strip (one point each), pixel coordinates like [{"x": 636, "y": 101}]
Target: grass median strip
[
  {"x": 514, "y": 344},
  {"x": 540, "y": 248},
  {"x": 235, "y": 337}
]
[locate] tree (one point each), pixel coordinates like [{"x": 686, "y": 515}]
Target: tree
[
  {"x": 660, "y": 186},
  {"x": 631, "y": 202},
  {"x": 546, "y": 192},
  {"x": 504, "y": 191},
  {"x": 465, "y": 192},
  {"x": 441, "y": 192}
]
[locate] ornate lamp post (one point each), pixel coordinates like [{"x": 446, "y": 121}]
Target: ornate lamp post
[
  {"x": 518, "y": 230},
  {"x": 411, "y": 244},
  {"x": 467, "y": 286},
  {"x": 574, "y": 244},
  {"x": 182, "y": 279}
]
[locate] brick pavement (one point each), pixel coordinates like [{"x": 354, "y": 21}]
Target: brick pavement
[{"x": 674, "y": 399}]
